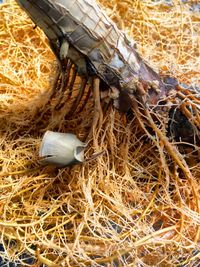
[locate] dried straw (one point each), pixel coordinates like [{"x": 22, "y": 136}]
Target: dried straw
[{"x": 137, "y": 204}]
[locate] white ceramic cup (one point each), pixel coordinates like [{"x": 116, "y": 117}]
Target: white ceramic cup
[{"x": 61, "y": 149}]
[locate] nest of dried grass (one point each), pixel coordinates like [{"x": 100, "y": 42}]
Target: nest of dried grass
[{"x": 137, "y": 204}]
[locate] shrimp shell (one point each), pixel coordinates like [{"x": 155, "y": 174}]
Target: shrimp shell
[{"x": 86, "y": 34}]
